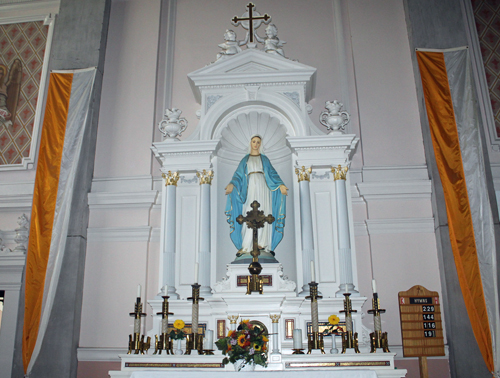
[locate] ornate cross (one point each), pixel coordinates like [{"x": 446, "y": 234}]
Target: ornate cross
[
  {"x": 255, "y": 219},
  {"x": 236, "y": 20}
]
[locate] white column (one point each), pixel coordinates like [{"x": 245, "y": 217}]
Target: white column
[
  {"x": 344, "y": 237},
  {"x": 306, "y": 227},
  {"x": 170, "y": 231},
  {"x": 275, "y": 336},
  {"x": 204, "y": 257}
]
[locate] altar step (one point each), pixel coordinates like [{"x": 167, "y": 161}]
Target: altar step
[{"x": 362, "y": 365}]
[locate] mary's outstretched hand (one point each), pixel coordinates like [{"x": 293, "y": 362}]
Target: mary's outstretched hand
[{"x": 230, "y": 188}]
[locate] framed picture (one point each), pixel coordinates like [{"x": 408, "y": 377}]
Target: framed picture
[{"x": 24, "y": 55}]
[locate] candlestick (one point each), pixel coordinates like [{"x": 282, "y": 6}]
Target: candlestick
[
  {"x": 196, "y": 340},
  {"x": 349, "y": 338},
  {"x": 378, "y": 339},
  {"x": 313, "y": 275},
  {"x": 314, "y": 339}
]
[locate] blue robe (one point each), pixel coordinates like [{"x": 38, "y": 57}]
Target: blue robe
[{"x": 237, "y": 198}]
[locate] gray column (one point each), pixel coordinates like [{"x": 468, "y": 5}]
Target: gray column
[
  {"x": 170, "y": 232},
  {"x": 79, "y": 41},
  {"x": 344, "y": 236},
  {"x": 306, "y": 227},
  {"x": 204, "y": 257}
]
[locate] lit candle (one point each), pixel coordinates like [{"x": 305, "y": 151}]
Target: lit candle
[
  {"x": 138, "y": 291},
  {"x": 374, "y": 286},
  {"x": 196, "y": 272},
  {"x": 297, "y": 339},
  {"x": 313, "y": 275},
  {"x": 209, "y": 335}
]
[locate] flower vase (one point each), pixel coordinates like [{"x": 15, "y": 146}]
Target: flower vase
[
  {"x": 334, "y": 349},
  {"x": 242, "y": 365},
  {"x": 178, "y": 350}
]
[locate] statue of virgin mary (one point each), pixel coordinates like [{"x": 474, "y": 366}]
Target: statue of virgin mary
[{"x": 255, "y": 179}]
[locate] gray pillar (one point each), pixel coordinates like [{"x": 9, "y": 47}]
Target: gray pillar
[
  {"x": 441, "y": 25},
  {"x": 79, "y": 41}
]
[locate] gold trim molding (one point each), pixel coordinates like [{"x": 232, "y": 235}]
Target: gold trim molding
[
  {"x": 205, "y": 177},
  {"x": 303, "y": 174},
  {"x": 171, "y": 178},
  {"x": 339, "y": 173}
]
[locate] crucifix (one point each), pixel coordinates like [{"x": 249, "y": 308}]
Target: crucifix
[
  {"x": 253, "y": 16},
  {"x": 255, "y": 219}
]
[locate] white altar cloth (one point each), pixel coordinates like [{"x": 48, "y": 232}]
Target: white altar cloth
[{"x": 258, "y": 374}]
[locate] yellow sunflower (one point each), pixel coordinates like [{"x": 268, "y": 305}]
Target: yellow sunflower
[
  {"x": 179, "y": 324},
  {"x": 333, "y": 319},
  {"x": 257, "y": 347},
  {"x": 241, "y": 340},
  {"x": 230, "y": 333},
  {"x": 245, "y": 321}
]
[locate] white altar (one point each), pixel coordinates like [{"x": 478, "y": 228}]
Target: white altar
[{"x": 247, "y": 92}]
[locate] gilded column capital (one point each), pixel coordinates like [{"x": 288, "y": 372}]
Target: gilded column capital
[
  {"x": 233, "y": 318},
  {"x": 205, "y": 177},
  {"x": 303, "y": 174},
  {"x": 275, "y": 317},
  {"x": 339, "y": 173},
  {"x": 171, "y": 178}
]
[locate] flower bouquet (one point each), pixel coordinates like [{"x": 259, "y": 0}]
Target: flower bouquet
[
  {"x": 333, "y": 328},
  {"x": 247, "y": 343}
]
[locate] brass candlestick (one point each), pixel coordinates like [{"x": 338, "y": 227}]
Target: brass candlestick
[
  {"x": 349, "y": 339},
  {"x": 314, "y": 339},
  {"x": 378, "y": 339},
  {"x": 136, "y": 341},
  {"x": 255, "y": 219},
  {"x": 195, "y": 340},
  {"x": 298, "y": 351},
  {"x": 163, "y": 342}
]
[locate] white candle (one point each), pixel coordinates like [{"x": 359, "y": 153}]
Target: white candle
[
  {"x": 209, "y": 336},
  {"x": 165, "y": 290},
  {"x": 313, "y": 275},
  {"x": 297, "y": 339},
  {"x": 374, "y": 286},
  {"x": 346, "y": 288},
  {"x": 138, "y": 291},
  {"x": 196, "y": 272}
]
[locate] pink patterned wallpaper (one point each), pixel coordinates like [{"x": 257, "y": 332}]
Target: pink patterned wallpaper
[
  {"x": 21, "y": 45},
  {"x": 487, "y": 15}
]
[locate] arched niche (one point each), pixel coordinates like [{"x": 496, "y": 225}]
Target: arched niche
[{"x": 234, "y": 132}]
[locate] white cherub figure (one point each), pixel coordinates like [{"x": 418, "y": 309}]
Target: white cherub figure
[
  {"x": 231, "y": 46},
  {"x": 272, "y": 43}
]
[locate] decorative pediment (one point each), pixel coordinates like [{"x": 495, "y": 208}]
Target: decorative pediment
[{"x": 253, "y": 67}]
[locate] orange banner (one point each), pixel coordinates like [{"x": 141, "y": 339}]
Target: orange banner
[
  {"x": 44, "y": 204},
  {"x": 445, "y": 139}
]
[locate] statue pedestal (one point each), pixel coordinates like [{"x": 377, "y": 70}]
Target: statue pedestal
[{"x": 235, "y": 281}]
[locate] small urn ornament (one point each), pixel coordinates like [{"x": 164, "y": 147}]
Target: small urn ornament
[
  {"x": 334, "y": 119},
  {"x": 172, "y": 125}
]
